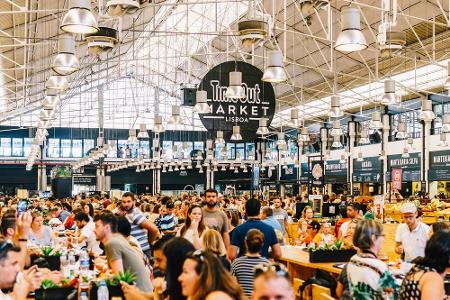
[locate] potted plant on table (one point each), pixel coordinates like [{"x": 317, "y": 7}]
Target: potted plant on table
[
  {"x": 47, "y": 257},
  {"x": 331, "y": 253},
  {"x": 114, "y": 284},
  {"x": 50, "y": 290}
]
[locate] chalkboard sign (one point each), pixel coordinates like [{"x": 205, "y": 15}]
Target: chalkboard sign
[{"x": 439, "y": 165}]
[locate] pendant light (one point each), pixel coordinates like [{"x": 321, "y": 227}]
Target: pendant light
[
  {"x": 364, "y": 137},
  {"x": 375, "y": 123},
  {"x": 50, "y": 102},
  {"x": 57, "y": 82},
  {"x": 262, "y": 129},
  {"x": 132, "y": 139},
  {"x": 446, "y": 123},
  {"x": 119, "y": 8},
  {"x": 281, "y": 141},
  {"x": 158, "y": 126},
  {"x": 201, "y": 103},
  {"x": 426, "y": 114},
  {"x": 336, "y": 130},
  {"x": 236, "y": 136},
  {"x": 360, "y": 157},
  {"x": 219, "y": 138},
  {"x": 143, "y": 133},
  {"x": 382, "y": 155},
  {"x": 79, "y": 19},
  {"x": 305, "y": 134},
  {"x": 235, "y": 90},
  {"x": 343, "y": 159},
  {"x": 351, "y": 37},
  {"x": 66, "y": 62},
  {"x": 443, "y": 140},
  {"x": 405, "y": 153},
  {"x": 295, "y": 120},
  {"x": 47, "y": 115},
  {"x": 389, "y": 96},
  {"x": 175, "y": 118},
  {"x": 447, "y": 82},
  {"x": 336, "y": 142},
  {"x": 335, "y": 108},
  {"x": 401, "y": 131},
  {"x": 274, "y": 71}
]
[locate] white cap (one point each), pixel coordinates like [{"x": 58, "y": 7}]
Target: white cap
[{"x": 408, "y": 208}]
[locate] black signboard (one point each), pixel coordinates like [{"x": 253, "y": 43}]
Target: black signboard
[
  {"x": 304, "y": 174},
  {"x": 289, "y": 173},
  {"x": 255, "y": 178},
  {"x": 367, "y": 170},
  {"x": 316, "y": 176},
  {"x": 259, "y": 103},
  {"x": 335, "y": 172},
  {"x": 84, "y": 180},
  {"x": 410, "y": 166},
  {"x": 439, "y": 165}
]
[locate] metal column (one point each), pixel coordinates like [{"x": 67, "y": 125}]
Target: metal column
[
  {"x": 426, "y": 153},
  {"x": 351, "y": 143},
  {"x": 384, "y": 145}
]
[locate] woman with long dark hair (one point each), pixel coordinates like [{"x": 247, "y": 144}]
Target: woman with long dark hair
[
  {"x": 204, "y": 278},
  {"x": 193, "y": 228}
]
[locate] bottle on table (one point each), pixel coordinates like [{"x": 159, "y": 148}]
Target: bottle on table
[
  {"x": 83, "y": 296},
  {"x": 84, "y": 264},
  {"x": 102, "y": 292}
]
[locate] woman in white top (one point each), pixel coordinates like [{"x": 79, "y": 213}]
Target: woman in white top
[
  {"x": 193, "y": 227},
  {"x": 40, "y": 235}
]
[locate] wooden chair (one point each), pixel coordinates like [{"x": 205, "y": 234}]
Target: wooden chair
[
  {"x": 324, "y": 296},
  {"x": 318, "y": 290},
  {"x": 296, "y": 285}
]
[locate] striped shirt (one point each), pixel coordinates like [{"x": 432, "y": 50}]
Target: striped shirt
[
  {"x": 136, "y": 218},
  {"x": 243, "y": 269},
  {"x": 166, "y": 222}
]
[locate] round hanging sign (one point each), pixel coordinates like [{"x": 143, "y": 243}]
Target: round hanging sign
[{"x": 259, "y": 101}]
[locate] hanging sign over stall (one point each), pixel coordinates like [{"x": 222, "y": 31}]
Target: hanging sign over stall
[
  {"x": 439, "y": 166},
  {"x": 335, "y": 172},
  {"x": 410, "y": 166},
  {"x": 226, "y": 113},
  {"x": 368, "y": 170},
  {"x": 317, "y": 171}
]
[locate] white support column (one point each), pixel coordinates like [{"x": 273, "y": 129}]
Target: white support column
[
  {"x": 208, "y": 177},
  {"x": 385, "y": 141},
  {"x": 42, "y": 178},
  {"x": 351, "y": 142},
  {"x": 426, "y": 153}
]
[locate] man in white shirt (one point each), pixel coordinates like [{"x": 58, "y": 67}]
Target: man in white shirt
[
  {"x": 411, "y": 237},
  {"x": 86, "y": 234},
  {"x": 352, "y": 213}
]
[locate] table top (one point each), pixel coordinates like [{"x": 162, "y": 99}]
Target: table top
[{"x": 300, "y": 257}]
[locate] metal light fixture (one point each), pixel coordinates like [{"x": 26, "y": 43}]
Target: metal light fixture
[
  {"x": 158, "y": 126},
  {"x": 446, "y": 123},
  {"x": 143, "y": 134},
  {"x": 281, "y": 141},
  {"x": 235, "y": 90},
  {"x": 57, "y": 82},
  {"x": 336, "y": 130},
  {"x": 175, "y": 118},
  {"x": 236, "y": 136},
  {"x": 335, "y": 108},
  {"x": 405, "y": 153},
  {"x": 201, "y": 103},
  {"x": 132, "y": 139},
  {"x": 336, "y": 142},
  {"x": 119, "y": 8},
  {"x": 50, "y": 102},
  {"x": 47, "y": 115},
  {"x": 426, "y": 114},
  {"x": 375, "y": 123},
  {"x": 262, "y": 129},
  {"x": 360, "y": 157},
  {"x": 447, "y": 82},
  {"x": 443, "y": 140},
  {"x": 389, "y": 96},
  {"x": 382, "y": 155},
  {"x": 66, "y": 62},
  {"x": 401, "y": 131},
  {"x": 295, "y": 120},
  {"x": 305, "y": 134},
  {"x": 343, "y": 159},
  {"x": 274, "y": 71},
  {"x": 219, "y": 138},
  {"x": 351, "y": 37},
  {"x": 79, "y": 19},
  {"x": 364, "y": 137}
]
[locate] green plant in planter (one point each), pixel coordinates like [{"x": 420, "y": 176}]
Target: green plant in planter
[
  {"x": 48, "y": 284},
  {"x": 336, "y": 246},
  {"x": 47, "y": 251},
  {"x": 126, "y": 276}
]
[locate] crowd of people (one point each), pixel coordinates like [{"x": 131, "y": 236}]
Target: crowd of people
[{"x": 214, "y": 247}]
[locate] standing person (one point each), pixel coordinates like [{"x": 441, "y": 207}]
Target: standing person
[
  {"x": 166, "y": 220},
  {"x": 280, "y": 214},
  {"x": 139, "y": 224},
  {"x": 352, "y": 213},
  {"x": 119, "y": 254},
  {"x": 411, "y": 237},
  {"x": 242, "y": 267},
  {"x": 193, "y": 228},
  {"x": 215, "y": 218},
  {"x": 272, "y": 281},
  {"x": 267, "y": 217},
  {"x": 252, "y": 208},
  {"x": 426, "y": 279}
]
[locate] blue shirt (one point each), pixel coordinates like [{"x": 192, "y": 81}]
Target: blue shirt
[
  {"x": 273, "y": 223},
  {"x": 239, "y": 233}
]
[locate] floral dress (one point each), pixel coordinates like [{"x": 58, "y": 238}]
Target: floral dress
[{"x": 370, "y": 279}]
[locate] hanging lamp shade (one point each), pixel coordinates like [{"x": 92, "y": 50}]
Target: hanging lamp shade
[
  {"x": 305, "y": 134},
  {"x": 336, "y": 130},
  {"x": 405, "y": 153},
  {"x": 50, "y": 102},
  {"x": 446, "y": 123},
  {"x": 132, "y": 136},
  {"x": 443, "y": 139},
  {"x": 262, "y": 128},
  {"x": 295, "y": 120},
  {"x": 236, "y": 136},
  {"x": 447, "y": 82},
  {"x": 79, "y": 18},
  {"x": 364, "y": 137},
  {"x": 235, "y": 90},
  {"x": 219, "y": 138},
  {"x": 66, "y": 62},
  {"x": 281, "y": 141},
  {"x": 143, "y": 134},
  {"x": 376, "y": 123},
  {"x": 158, "y": 125},
  {"x": 274, "y": 71},
  {"x": 389, "y": 96},
  {"x": 47, "y": 115},
  {"x": 119, "y": 8},
  {"x": 351, "y": 37},
  {"x": 360, "y": 157},
  {"x": 335, "y": 108},
  {"x": 57, "y": 82},
  {"x": 401, "y": 131},
  {"x": 336, "y": 142},
  {"x": 175, "y": 118},
  {"x": 426, "y": 114},
  {"x": 201, "y": 105}
]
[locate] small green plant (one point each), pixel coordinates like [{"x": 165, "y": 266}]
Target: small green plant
[
  {"x": 48, "y": 284},
  {"x": 126, "y": 276},
  {"x": 47, "y": 251},
  {"x": 336, "y": 246}
]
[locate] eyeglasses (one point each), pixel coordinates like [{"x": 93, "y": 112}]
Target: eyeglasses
[{"x": 278, "y": 269}]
